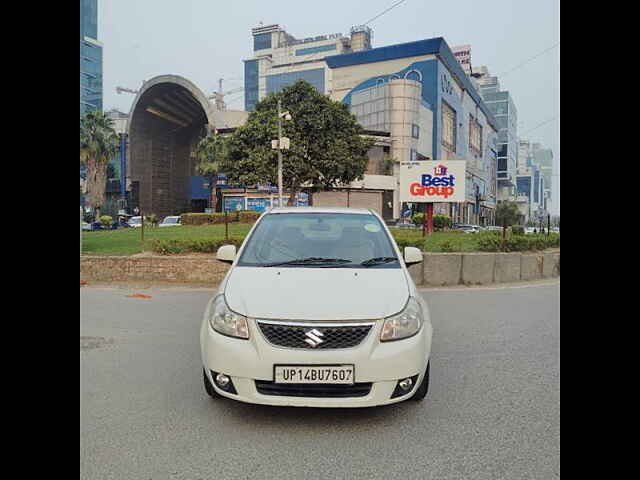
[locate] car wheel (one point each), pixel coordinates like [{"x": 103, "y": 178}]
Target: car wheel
[
  {"x": 208, "y": 387},
  {"x": 422, "y": 390}
]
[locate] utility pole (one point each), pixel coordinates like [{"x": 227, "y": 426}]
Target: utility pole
[
  {"x": 280, "y": 151},
  {"x": 280, "y": 144}
]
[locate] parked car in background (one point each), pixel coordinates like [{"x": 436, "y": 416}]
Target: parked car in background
[
  {"x": 171, "y": 222},
  {"x": 555, "y": 230},
  {"x": 493, "y": 228},
  {"x": 354, "y": 332},
  {"x": 529, "y": 230},
  {"x": 86, "y": 227},
  {"x": 135, "y": 222},
  {"x": 466, "y": 228}
]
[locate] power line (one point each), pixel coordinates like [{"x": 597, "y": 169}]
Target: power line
[
  {"x": 541, "y": 124},
  {"x": 366, "y": 23},
  {"x": 380, "y": 14},
  {"x": 528, "y": 60}
]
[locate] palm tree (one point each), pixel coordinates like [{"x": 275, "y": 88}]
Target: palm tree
[
  {"x": 98, "y": 144},
  {"x": 210, "y": 152}
]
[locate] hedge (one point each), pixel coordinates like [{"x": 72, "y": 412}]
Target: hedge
[
  {"x": 210, "y": 245},
  {"x": 244, "y": 216},
  {"x": 518, "y": 243}
]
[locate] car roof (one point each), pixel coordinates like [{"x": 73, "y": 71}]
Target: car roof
[{"x": 359, "y": 211}]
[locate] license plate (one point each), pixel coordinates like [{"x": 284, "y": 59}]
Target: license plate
[{"x": 342, "y": 374}]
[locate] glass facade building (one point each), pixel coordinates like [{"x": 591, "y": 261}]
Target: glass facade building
[
  {"x": 90, "y": 58},
  {"x": 277, "y": 82}
]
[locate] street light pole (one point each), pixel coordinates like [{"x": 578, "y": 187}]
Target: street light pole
[{"x": 280, "y": 151}]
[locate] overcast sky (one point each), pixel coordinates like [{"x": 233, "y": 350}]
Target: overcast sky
[{"x": 205, "y": 40}]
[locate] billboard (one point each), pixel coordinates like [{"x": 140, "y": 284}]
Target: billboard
[{"x": 433, "y": 181}]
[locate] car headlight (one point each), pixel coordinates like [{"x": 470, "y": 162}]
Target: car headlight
[
  {"x": 405, "y": 324},
  {"x": 226, "y": 322}
]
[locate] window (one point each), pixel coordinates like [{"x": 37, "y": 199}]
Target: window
[
  {"x": 415, "y": 131},
  {"x": 315, "y": 77},
  {"x": 262, "y": 41},
  {"x": 449, "y": 127},
  {"x": 413, "y": 155},
  {"x": 284, "y": 237},
  {"x": 475, "y": 136}
]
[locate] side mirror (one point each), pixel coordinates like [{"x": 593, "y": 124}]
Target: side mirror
[
  {"x": 412, "y": 255},
  {"x": 226, "y": 253}
]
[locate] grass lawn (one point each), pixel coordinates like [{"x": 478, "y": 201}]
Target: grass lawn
[{"x": 126, "y": 241}]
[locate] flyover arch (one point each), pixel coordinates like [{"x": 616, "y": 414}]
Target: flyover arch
[{"x": 168, "y": 117}]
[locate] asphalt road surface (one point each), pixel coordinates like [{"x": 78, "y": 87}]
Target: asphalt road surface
[{"x": 492, "y": 411}]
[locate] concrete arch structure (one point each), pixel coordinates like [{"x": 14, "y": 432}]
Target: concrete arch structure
[{"x": 168, "y": 117}]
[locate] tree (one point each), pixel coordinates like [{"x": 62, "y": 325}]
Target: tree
[
  {"x": 98, "y": 144},
  {"x": 211, "y": 152},
  {"x": 507, "y": 213},
  {"x": 327, "y": 149}
]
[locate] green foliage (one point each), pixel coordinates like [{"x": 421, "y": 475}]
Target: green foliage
[
  {"x": 211, "y": 152},
  {"x": 178, "y": 246},
  {"x": 326, "y": 149},
  {"x": 518, "y": 243},
  {"x": 446, "y": 246},
  {"x": 98, "y": 145},
  {"x": 440, "y": 222},
  {"x": 152, "y": 219},
  {"x": 507, "y": 213},
  {"x": 106, "y": 220},
  {"x": 517, "y": 230},
  {"x": 244, "y": 216}
]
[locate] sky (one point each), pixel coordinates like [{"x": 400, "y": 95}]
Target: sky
[{"x": 204, "y": 40}]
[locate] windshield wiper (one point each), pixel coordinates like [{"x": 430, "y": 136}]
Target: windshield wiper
[
  {"x": 378, "y": 261},
  {"x": 309, "y": 261}
]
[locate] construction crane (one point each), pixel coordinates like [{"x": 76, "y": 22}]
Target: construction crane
[
  {"x": 119, "y": 90},
  {"x": 219, "y": 95}
]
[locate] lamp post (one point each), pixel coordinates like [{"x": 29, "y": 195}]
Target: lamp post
[{"x": 282, "y": 143}]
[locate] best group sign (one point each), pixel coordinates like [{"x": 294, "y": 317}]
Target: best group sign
[{"x": 432, "y": 181}]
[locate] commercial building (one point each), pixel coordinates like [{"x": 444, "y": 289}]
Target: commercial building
[
  {"x": 504, "y": 109},
  {"x": 280, "y": 59},
  {"x": 532, "y": 190},
  {"x": 418, "y": 93},
  {"x": 90, "y": 58}
]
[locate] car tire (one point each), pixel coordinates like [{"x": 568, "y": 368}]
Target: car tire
[
  {"x": 208, "y": 387},
  {"x": 422, "y": 390}
]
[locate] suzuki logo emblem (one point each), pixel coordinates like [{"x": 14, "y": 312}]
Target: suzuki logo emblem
[{"x": 314, "y": 337}]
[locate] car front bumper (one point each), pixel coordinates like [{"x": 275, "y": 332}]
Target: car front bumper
[{"x": 382, "y": 364}]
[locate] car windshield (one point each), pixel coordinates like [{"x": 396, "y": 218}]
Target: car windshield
[
  {"x": 135, "y": 220},
  {"x": 171, "y": 220},
  {"x": 317, "y": 240}
]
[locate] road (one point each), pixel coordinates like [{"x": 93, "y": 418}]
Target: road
[{"x": 492, "y": 411}]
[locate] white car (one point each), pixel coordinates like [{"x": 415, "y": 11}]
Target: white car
[
  {"x": 135, "y": 222},
  {"x": 529, "y": 230},
  {"x": 467, "y": 228},
  {"x": 171, "y": 222},
  {"x": 318, "y": 309},
  {"x": 86, "y": 227}
]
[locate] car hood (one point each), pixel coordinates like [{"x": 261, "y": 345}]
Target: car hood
[{"x": 316, "y": 293}]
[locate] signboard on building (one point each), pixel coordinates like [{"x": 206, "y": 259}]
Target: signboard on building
[
  {"x": 463, "y": 55},
  {"x": 433, "y": 181}
]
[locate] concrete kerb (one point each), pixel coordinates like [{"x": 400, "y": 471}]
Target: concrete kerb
[
  {"x": 531, "y": 266},
  {"x": 442, "y": 269},
  {"x": 478, "y": 268},
  {"x": 507, "y": 267}
]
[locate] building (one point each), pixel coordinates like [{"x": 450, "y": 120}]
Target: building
[
  {"x": 90, "y": 58},
  {"x": 280, "y": 59},
  {"x": 502, "y": 106},
  {"x": 463, "y": 56},
  {"x": 543, "y": 157},
  {"x": 419, "y": 93},
  {"x": 532, "y": 194}
]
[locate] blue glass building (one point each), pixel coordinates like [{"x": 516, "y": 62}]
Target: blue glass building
[{"x": 90, "y": 58}]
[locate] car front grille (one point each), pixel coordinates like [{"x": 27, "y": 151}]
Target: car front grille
[
  {"x": 313, "y": 390},
  {"x": 320, "y": 336}
]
